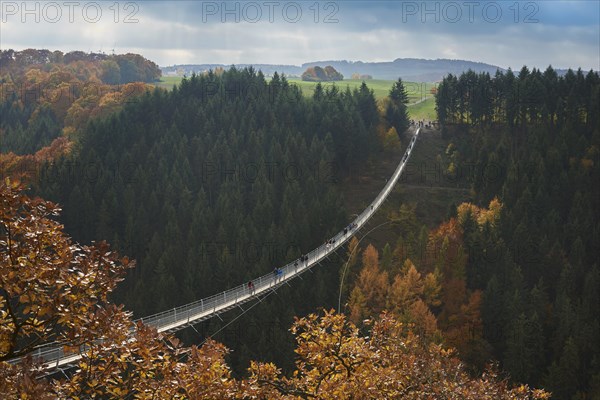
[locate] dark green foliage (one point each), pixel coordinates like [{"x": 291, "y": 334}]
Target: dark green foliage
[
  {"x": 396, "y": 112},
  {"x": 535, "y": 141},
  {"x": 24, "y": 132},
  {"x": 215, "y": 183}
]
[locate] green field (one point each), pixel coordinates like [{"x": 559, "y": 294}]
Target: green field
[
  {"x": 416, "y": 91},
  {"x": 423, "y": 111},
  {"x": 167, "y": 82},
  {"x": 381, "y": 88}
]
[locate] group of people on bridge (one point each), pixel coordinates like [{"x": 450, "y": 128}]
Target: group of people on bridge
[
  {"x": 277, "y": 272},
  {"x": 303, "y": 258},
  {"x": 422, "y": 123}
]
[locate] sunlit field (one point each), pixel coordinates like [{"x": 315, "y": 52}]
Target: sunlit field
[{"x": 381, "y": 88}]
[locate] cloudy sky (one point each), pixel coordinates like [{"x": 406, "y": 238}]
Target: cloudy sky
[{"x": 504, "y": 33}]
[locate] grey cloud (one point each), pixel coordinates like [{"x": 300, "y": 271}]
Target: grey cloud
[{"x": 178, "y": 32}]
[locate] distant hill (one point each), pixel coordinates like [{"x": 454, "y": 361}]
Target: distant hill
[{"x": 411, "y": 69}]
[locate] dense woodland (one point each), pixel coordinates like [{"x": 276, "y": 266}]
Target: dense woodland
[
  {"x": 114, "y": 68},
  {"x": 228, "y": 175},
  {"x": 535, "y": 139},
  {"x": 59, "y": 291},
  {"x": 216, "y": 182},
  {"x": 47, "y": 98}
]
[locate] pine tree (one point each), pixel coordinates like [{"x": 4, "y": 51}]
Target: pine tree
[{"x": 396, "y": 112}]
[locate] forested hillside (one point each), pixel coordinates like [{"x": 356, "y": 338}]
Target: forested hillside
[
  {"x": 47, "y": 98},
  {"x": 213, "y": 183},
  {"x": 410, "y": 69},
  {"x": 534, "y": 138},
  {"x": 112, "y": 69},
  {"x": 230, "y": 175},
  {"x": 59, "y": 291}
]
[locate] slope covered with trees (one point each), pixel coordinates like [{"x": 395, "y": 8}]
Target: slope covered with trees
[
  {"x": 534, "y": 138},
  {"x": 420, "y": 279},
  {"x": 60, "y": 291},
  {"x": 47, "y": 98},
  {"x": 112, "y": 69},
  {"x": 215, "y": 182}
]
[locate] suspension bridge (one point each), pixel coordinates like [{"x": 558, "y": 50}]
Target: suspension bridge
[{"x": 54, "y": 355}]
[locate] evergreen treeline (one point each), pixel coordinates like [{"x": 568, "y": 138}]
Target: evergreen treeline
[
  {"x": 521, "y": 100},
  {"x": 213, "y": 183},
  {"x": 26, "y": 129},
  {"x": 534, "y": 138}
]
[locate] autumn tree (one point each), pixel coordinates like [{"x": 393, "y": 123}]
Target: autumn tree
[
  {"x": 410, "y": 297},
  {"x": 368, "y": 296},
  {"x": 319, "y": 74},
  {"x": 111, "y": 72},
  {"x": 50, "y": 286},
  {"x": 336, "y": 362},
  {"x": 391, "y": 140},
  {"x": 54, "y": 290}
]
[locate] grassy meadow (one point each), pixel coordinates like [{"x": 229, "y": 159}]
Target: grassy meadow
[
  {"x": 423, "y": 111},
  {"x": 416, "y": 92},
  {"x": 168, "y": 82},
  {"x": 381, "y": 88}
]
